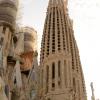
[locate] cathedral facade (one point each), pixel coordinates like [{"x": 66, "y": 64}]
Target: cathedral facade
[
  {"x": 61, "y": 72},
  {"x": 59, "y": 75}
]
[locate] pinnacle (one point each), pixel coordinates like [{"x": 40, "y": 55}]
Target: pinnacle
[{"x": 56, "y": 2}]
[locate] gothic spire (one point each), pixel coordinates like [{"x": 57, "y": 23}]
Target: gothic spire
[
  {"x": 53, "y": 3},
  {"x": 60, "y": 68}
]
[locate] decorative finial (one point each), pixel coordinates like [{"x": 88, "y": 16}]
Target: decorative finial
[{"x": 92, "y": 89}]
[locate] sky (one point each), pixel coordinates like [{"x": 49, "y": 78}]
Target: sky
[{"x": 86, "y": 18}]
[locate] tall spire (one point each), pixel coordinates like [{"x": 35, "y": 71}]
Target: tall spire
[
  {"x": 92, "y": 89},
  {"x": 53, "y": 3},
  {"x": 65, "y": 4},
  {"x": 60, "y": 68}
]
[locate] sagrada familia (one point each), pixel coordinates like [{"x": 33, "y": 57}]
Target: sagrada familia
[{"x": 59, "y": 74}]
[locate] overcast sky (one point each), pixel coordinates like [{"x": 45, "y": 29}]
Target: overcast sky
[{"x": 86, "y": 17}]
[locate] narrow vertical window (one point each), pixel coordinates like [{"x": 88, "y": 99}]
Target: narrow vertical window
[
  {"x": 59, "y": 73},
  {"x": 53, "y": 70},
  {"x": 74, "y": 85},
  {"x": 65, "y": 72},
  {"x": 42, "y": 78},
  {"x": 53, "y": 76},
  {"x": 59, "y": 67},
  {"x": 47, "y": 78},
  {"x": 79, "y": 87}
]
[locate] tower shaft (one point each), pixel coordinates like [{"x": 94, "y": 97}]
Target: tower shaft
[
  {"x": 61, "y": 72},
  {"x": 8, "y": 11}
]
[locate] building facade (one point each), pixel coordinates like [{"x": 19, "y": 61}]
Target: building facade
[
  {"x": 61, "y": 75},
  {"x": 18, "y": 56}
]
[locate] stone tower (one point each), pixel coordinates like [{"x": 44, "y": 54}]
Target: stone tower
[
  {"x": 18, "y": 56},
  {"x": 61, "y": 73},
  {"x": 26, "y": 50},
  {"x": 8, "y": 12}
]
